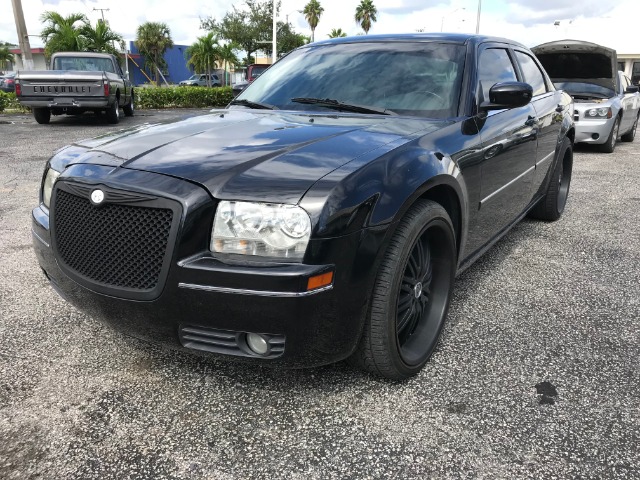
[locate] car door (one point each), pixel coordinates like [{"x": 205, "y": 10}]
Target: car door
[
  {"x": 508, "y": 150},
  {"x": 547, "y": 103},
  {"x": 630, "y": 103}
]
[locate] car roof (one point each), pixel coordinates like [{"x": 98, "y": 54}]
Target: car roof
[{"x": 461, "y": 38}]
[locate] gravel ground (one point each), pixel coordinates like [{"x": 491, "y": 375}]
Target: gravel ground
[{"x": 537, "y": 375}]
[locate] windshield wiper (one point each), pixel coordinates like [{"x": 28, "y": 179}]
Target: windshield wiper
[
  {"x": 336, "y": 105},
  {"x": 251, "y": 104}
]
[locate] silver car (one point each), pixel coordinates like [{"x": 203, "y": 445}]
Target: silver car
[
  {"x": 200, "y": 80},
  {"x": 607, "y": 105}
]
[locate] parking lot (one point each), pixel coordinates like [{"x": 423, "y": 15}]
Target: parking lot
[{"x": 537, "y": 374}]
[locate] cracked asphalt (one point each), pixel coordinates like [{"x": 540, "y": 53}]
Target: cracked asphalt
[{"x": 537, "y": 374}]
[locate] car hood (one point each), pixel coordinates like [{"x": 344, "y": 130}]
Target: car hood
[
  {"x": 251, "y": 154},
  {"x": 578, "y": 61}
]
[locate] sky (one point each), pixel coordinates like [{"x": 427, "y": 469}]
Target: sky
[{"x": 613, "y": 23}]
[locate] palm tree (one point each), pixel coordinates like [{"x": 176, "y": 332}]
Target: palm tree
[
  {"x": 62, "y": 34},
  {"x": 229, "y": 57},
  {"x": 100, "y": 38},
  {"x": 152, "y": 40},
  {"x": 204, "y": 55},
  {"x": 312, "y": 12},
  {"x": 366, "y": 14},
  {"x": 6, "y": 57},
  {"x": 337, "y": 33}
]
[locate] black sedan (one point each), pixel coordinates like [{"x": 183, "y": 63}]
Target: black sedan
[{"x": 313, "y": 220}]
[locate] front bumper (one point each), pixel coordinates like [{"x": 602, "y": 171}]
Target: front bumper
[
  {"x": 205, "y": 299},
  {"x": 593, "y": 131}
]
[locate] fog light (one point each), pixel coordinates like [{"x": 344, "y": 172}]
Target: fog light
[
  {"x": 257, "y": 343},
  {"x": 595, "y": 136}
]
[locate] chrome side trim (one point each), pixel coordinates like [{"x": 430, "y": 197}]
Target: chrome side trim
[
  {"x": 545, "y": 159},
  {"x": 259, "y": 293},
  {"x": 33, "y": 232},
  {"x": 485, "y": 200}
]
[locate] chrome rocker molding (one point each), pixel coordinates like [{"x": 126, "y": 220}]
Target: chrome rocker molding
[{"x": 259, "y": 293}]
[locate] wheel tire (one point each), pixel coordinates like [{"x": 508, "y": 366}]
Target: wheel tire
[
  {"x": 42, "y": 115},
  {"x": 411, "y": 295},
  {"x": 552, "y": 205},
  {"x": 129, "y": 107},
  {"x": 610, "y": 145},
  {"x": 631, "y": 134},
  {"x": 113, "y": 112}
]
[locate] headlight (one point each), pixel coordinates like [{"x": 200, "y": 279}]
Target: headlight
[
  {"x": 602, "y": 112},
  {"x": 261, "y": 229},
  {"x": 47, "y": 186}
]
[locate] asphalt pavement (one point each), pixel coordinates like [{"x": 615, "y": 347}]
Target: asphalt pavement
[{"x": 537, "y": 374}]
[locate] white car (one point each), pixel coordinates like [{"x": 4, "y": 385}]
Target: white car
[
  {"x": 200, "y": 80},
  {"x": 607, "y": 105}
]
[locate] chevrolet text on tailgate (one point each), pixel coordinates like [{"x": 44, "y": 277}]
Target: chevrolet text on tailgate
[
  {"x": 314, "y": 219},
  {"x": 77, "y": 82}
]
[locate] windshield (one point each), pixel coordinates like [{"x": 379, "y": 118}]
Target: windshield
[
  {"x": 87, "y": 64},
  {"x": 410, "y": 78},
  {"x": 194, "y": 77},
  {"x": 580, "y": 89}
]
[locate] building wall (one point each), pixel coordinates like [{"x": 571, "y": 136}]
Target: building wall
[
  {"x": 177, "y": 69},
  {"x": 39, "y": 62},
  {"x": 631, "y": 64}
]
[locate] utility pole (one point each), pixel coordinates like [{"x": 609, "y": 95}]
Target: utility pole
[
  {"x": 274, "y": 53},
  {"x": 102, "y": 10},
  {"x": 478, "y": 19},
  {"x": 23, "y": 38}
]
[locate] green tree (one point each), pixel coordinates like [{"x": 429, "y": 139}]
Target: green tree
[
  {"x": 337, "y": 33},
  {"x": 229, "y": 57},
  {"x": 312, "y": 12},
  {"x": 366, "y": 14},
  {"x": 288, "y": 39},
  {"x": 205, "y": 55},
  {"x": 247, "y": 28},
  {"x": 152, "y": 40},
  {"x": 6, "y": 57},
  {"x": 99, "y": 38},
  {"x": 62, "y": 34}
]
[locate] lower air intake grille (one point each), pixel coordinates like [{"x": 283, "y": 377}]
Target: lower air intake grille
[
  {"x": 227, "y": 342},
  {"x": 116, "y": 245}
]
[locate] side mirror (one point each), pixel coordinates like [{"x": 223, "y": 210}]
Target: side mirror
[
  {"x": 508, "y": 95},
  {"x": 632, "y": 89}
]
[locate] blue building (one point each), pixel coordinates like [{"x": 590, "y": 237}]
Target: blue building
[{"x": 176, "y": 71}]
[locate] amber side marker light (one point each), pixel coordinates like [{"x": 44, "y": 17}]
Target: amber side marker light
[{"x": 320, "y": 281}]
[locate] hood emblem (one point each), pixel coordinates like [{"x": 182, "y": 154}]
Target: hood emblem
[{"x": 97, "y": 197}]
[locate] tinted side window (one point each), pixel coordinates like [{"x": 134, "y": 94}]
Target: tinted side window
[
  {"x": 494, "y": 66},
  {"x": 635, "y": 73},
  {"x": 532, "y": 74}
]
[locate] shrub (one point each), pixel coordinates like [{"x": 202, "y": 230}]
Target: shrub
[
  {"x": 8, "y": 101},
  {"x": 183, "y": 97}
]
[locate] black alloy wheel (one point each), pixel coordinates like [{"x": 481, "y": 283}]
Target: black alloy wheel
[
  {"x": 411, "y": 295},
  {"x": 551, "y": 206}
]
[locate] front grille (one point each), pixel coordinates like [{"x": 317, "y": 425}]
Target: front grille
[
  {"x": 114, "y": 245},
  {"x": 226, "y": 341},
  {"x": 576, "y": 115}
]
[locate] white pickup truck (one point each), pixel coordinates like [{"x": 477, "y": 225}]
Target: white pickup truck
[{"x": 77, "y": 82}]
